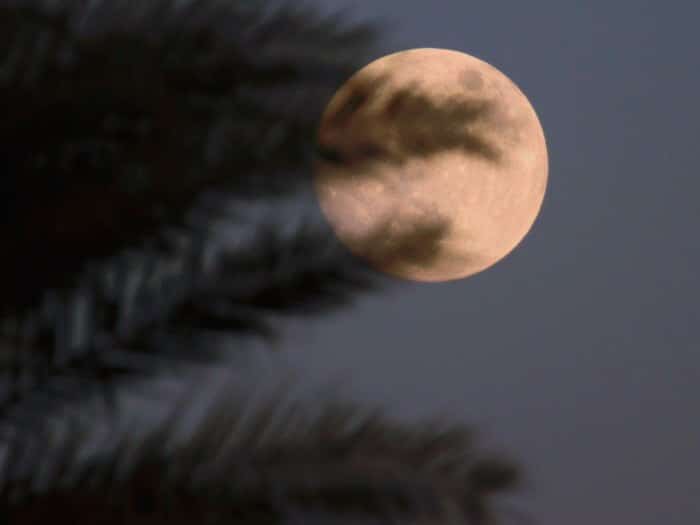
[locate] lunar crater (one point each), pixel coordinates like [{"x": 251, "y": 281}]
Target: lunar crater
[{"x": 472, "y": 80}]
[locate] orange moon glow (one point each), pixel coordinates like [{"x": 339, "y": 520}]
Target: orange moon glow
[{"x": 432, "y": 165}]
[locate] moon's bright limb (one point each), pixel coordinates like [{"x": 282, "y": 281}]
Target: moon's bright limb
[{"x": 432, "y": 165}]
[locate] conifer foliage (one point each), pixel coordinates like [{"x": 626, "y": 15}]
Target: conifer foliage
[{"x": 154, "y": 204}]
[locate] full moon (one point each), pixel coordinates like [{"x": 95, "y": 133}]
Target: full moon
[{"x": 431, "y": 165}]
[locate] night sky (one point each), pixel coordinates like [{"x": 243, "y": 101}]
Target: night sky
[{"x": 578, "y": 353}]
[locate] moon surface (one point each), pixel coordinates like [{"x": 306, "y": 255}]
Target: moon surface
[{"x": 432, "y": 165}]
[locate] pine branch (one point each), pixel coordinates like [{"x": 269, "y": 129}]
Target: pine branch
[
  {"x": 125, "y": 111},
  {"x": 155, "y": 160},
  {"x": 150, "y": 309},
  {"x": 150, "y": 151},
  {"x": 262, "y": 461}
]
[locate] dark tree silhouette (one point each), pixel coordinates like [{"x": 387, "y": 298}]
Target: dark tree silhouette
[{"x": 155, "y": 157}]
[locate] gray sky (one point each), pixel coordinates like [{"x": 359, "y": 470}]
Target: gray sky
[{"x": 579, "y": 352}]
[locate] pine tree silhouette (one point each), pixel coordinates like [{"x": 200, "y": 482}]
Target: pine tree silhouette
[{"x": 155, "y": 169}]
